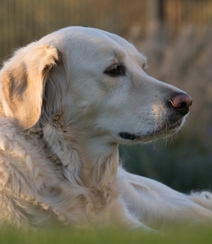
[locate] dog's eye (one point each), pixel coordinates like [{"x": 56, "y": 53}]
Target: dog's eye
[{"x": 115, "y": 70}]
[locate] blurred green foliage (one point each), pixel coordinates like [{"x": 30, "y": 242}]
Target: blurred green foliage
[{"x": 184, "y": 167}]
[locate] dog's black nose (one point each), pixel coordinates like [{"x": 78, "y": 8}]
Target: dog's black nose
[{"x": 181, "y": 102}]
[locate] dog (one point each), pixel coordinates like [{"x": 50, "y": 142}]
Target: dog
[{"x": 67, "y": 102}]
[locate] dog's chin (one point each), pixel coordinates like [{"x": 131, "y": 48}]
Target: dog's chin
[{"x": 160, "y": 132}]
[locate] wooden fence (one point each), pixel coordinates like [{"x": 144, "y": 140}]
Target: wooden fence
[{"x": 22, "y": 21}]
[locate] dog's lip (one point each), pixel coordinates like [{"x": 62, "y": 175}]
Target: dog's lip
[{"x": 163, "y": 131}]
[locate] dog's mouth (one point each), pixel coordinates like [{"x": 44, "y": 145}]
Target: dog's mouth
[
  {"x": 128, "y": 136},
  {"x": 163, "y": 131}
]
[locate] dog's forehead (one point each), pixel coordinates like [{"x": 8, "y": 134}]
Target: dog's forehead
[{"x": 92, "y": 41}]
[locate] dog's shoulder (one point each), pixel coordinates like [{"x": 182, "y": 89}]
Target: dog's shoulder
[{"x": 23, "y": 163}]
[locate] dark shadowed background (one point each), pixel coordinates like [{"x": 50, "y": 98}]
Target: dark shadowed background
[{"x": 175, "y": 35}]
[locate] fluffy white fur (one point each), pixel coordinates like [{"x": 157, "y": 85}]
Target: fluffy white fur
[{"x": 67, "y": 102}]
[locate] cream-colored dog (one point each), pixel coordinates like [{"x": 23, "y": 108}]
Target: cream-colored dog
[{"x": 67, "y": 102}]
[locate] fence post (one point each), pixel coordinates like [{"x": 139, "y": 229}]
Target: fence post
[{"x": 155, "y": 14}]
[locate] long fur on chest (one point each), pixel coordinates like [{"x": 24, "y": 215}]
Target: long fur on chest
[{"x": 36, "y": 187}]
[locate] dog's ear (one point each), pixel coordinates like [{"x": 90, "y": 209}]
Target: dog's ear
[{"x": 23, "y": 79}]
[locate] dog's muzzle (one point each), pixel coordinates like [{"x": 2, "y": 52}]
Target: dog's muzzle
[{"x": 179, "y": 104}]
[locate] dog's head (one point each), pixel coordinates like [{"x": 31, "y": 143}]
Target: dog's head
[{"x": 95, "y": 83}]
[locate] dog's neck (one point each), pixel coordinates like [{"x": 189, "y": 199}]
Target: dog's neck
[
  {"x": 88, "y": 161},
  {"x": 99, "y": 162}
]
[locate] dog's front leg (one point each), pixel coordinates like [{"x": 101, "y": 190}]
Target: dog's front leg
[
  {"x": 117, "y": 213},
  {"x": 153, "y": 202}
]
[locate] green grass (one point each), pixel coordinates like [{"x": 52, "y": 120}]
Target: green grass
[{"x": 179, "y": 235}]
